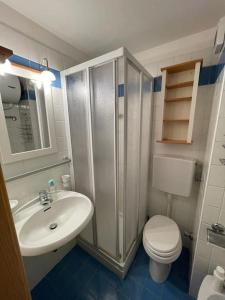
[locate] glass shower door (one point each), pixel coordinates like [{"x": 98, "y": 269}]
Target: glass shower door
[
  {"x": 80, "y": 138},
  {"x": 145, "y": 150},
  {"x": 133, "y": 110},
  {"x": 103, "y": 109}
]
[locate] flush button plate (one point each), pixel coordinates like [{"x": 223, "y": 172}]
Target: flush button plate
[{"x": 216, "y": 238}]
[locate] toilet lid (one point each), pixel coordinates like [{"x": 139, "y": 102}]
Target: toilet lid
[{"x": 162, "y": 234}]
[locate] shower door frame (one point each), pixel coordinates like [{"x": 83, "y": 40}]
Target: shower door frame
[{"x": 87, "y": 66}]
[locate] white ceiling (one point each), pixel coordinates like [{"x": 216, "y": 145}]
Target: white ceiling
[{"x": 98, "y": 26}]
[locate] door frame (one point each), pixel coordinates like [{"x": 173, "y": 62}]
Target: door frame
[{"x": 13, "y": 281}]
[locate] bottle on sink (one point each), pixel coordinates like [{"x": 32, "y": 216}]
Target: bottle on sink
[
  {"x": 52, "y": 189},
  {"x": 219, "y": 279}
]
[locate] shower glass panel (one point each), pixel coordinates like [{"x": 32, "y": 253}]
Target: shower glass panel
[
  {"x": 132, "y": 161},
  {"x": 104, "y": 155},
  {"x": 145, "y": 149},
  {"x": 80, "y": 142}
]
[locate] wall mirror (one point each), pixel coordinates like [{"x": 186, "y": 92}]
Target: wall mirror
[{"x": 26, "y": 116}]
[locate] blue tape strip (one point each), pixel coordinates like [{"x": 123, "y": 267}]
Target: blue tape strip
[
  {"x": 208, "y": 74},
  {"x": 36, "y": 66},
  {"x": 157, "y": 84},
  {"x": 121, "y": 90}
]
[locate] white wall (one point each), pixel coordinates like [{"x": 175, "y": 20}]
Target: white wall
[
  {"x": 211, "y": 207},
  {"x": 59, "y": 58},
  {"x": 188, "y": 48},
  {"x": 35, "y": 41}
]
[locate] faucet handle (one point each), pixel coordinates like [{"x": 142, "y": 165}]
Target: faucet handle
[
  {"x": 218, "y": 228},
  {"x": 43, "y": 194},
  {"x": 45, "y": 197}
]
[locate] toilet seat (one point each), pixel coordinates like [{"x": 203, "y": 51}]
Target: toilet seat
[{"x": 161, "y": 239}]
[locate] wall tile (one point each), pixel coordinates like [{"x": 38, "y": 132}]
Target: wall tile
[
  {"x": 218, "y": 153},
  {"x": 214, "y": 196},
  {"x": 220, "y": 132},
  {"x": 222, "y": 108},
  {"x": 217, "y": 258},
  {"x": 222, "y": 218},
  {"x": 61, "y": 144},
  {"x": 217, "y": 176},
  {"x": 203, "y": 232},
  {"x": 204, "y": 250},
  {"x": 59, "y": 112},
  {"x": 200, "y": 268},
  {"x": 57, "y": 96},
  {"x": 210, "y": 214},
  {"x": 60, "y": 130}
]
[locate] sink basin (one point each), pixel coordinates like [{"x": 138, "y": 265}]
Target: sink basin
[
  {"x": 42, "y": 229},
  {"x": 206, "y": 291}
]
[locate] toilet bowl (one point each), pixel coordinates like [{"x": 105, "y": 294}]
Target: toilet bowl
[{"x": 162, "y": 242}]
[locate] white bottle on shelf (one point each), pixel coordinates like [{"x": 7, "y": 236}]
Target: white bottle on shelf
[
  {"x": 66, "y": 181},
  {"x": 219, "y": 279}
]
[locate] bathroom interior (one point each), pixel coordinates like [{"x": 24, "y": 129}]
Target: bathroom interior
[{"x": 112, "y": 150}]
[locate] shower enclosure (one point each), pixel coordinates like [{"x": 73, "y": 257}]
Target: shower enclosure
[{"x": 108, "y": 111}]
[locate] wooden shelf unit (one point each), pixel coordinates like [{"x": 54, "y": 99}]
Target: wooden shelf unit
[
  {"x": 171, "y": 100},
  {"x": 180, "y": 85},
  {"x": 175, "y": 120},
  {"x": 179, "y": 93},
  {"x": 183, "y": 142}
]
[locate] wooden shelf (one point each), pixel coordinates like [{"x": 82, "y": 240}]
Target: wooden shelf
[
  {"x": 180, "y": 85},
  {"x": 176, "y": 120},
  {"x": 178, "y": 99},
  {"x": 167, "y": 141},
  {"x": 179, "y": 92},
  {"x": 189, "y": 65}
]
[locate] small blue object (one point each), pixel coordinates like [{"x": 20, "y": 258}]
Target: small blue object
[{"x": 51, "y": 183}]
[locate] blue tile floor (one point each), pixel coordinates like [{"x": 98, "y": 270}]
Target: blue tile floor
[{"x": 80, "y": 277}]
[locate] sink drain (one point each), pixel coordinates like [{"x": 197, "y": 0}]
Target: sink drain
[{"x": 53, "y": 226}]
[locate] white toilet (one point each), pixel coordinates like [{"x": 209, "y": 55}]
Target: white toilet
[{"x": 161, "y": 236}]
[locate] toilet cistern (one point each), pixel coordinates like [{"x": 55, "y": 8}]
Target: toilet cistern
[{"x": 173, "y": 175}]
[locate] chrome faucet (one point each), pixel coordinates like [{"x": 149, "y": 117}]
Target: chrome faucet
[{"x": 45, "y": 198}]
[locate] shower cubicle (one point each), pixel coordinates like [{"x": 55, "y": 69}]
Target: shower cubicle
[{"x": 108, "y": 110}]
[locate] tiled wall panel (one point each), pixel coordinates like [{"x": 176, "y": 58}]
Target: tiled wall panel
[{"x": 208, "y": 256}]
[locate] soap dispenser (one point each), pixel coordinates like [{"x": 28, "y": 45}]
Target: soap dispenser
[
  {"x": 52, "y": 189},
  {"x": 219, "y": 278}
]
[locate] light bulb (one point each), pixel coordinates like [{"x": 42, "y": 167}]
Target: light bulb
[
  {"x": 5, "y": 67},
  {"x": 47, "y": 77}
]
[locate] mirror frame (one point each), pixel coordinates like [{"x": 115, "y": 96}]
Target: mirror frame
[{"x": 6, "y": 154}]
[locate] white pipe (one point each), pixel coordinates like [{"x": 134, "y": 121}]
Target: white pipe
[{"x": 169, "y": 205}]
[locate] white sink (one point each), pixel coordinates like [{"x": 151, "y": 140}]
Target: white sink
[
  {"x": 206, "y": 291},
  {"x": 41, "y": 230}
]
